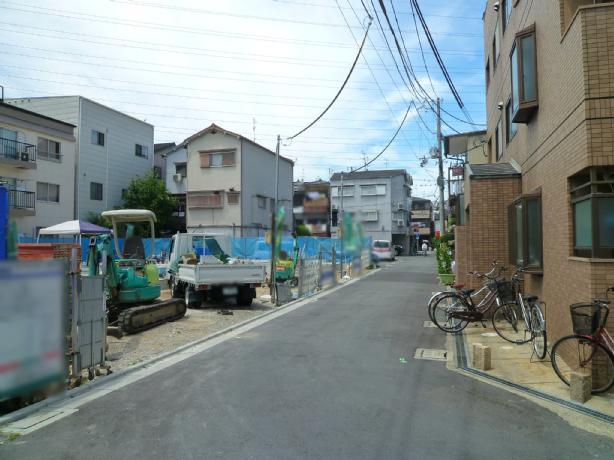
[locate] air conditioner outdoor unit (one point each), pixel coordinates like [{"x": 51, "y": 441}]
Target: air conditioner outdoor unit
[
  {"x": 177, "y": 177},
  {"x": 400, "y": 222},
  {"x": 25, "y": 156},
  {"x": 400, "y": 206}
]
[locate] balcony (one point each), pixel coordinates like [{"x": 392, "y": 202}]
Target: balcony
[
  {"x": 21, "y": 203},
  {"x": 18, "y": 154}
]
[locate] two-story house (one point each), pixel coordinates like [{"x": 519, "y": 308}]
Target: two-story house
[
  {"x": 229, "y": 183},
  {"x": 111, "y": 149},
  {"x": 37, "y": 167},
  {"x": 547, "y": 200},
  {"x": 380, "y": 200}
]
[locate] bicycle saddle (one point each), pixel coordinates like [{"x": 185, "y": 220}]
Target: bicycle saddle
[
  {"x": 530, "y": 297},
  {"x": 467, "y": 292},
  {"x": 458, "y": 286},
  {"x": 605, "y": 301}
]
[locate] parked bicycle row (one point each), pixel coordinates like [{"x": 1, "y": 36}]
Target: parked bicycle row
[{"x": 519, "y": 318}]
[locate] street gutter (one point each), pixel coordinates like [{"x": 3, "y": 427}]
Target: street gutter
[{"x": 460, "y": 353}]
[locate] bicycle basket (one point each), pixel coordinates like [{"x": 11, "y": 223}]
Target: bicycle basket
[
  {"x": 503, "y": 289},
  {"x": 586, "y": 318}
]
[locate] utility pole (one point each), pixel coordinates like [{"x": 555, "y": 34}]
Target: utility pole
[
  {"x": 273, "y": 291},
  {"x": 340, "y": 225},
  {"x": 440, "y": 181}
]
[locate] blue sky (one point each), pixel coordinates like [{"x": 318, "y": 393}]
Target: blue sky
[{"x": 185, "y": 64}]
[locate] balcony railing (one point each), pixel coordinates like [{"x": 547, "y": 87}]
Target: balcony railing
[
  {"x": 19, "y": 151},
  {"x": 19, "y": 199}
]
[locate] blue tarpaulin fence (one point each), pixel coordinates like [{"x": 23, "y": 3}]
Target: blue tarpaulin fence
[{"x": 245, "y": 247}]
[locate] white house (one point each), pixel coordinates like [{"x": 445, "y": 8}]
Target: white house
[
  {"x": 229, "y": 182},
  {"x": 37, "y": 166},
  {"x": 111, "y": 149}
]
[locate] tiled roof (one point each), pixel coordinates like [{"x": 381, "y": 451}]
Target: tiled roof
[{"x": 493, "y": 170}]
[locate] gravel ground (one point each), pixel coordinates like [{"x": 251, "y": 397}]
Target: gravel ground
[{"x": 197, "y": 323}]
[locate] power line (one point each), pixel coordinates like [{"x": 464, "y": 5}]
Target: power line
[
  {"x": 436, "y": 53},
  {"x": 161, "y": 26},
  {"x": 420, "y": 45},
  {"x": 340, "y": 89},
  {"x": 387, "y": 145}
]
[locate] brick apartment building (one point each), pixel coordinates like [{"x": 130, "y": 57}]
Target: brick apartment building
[{"x": 546, "y": 198}]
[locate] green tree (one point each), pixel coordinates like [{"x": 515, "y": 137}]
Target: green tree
[{"x": 149, "y": 192}]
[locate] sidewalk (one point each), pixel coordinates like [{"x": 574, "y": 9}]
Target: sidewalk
[{"x": 514, "y": 365}]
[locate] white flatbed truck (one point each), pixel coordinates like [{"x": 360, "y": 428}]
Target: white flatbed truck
[{"x": 199, "y": 269}]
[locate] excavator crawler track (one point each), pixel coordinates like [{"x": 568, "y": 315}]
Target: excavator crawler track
[{"x": 136, "y": 319}]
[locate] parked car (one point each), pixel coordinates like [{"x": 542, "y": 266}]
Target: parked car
[{"x": 383, "y": 250}]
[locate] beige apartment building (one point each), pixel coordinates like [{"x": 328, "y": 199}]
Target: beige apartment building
[
  {"x": 546, "y": 199},
  {"x": 37, "y": 167}
]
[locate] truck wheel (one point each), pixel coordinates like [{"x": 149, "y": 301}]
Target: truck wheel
[
  {"x": 192, "y": 299},
  {"x": 246, "y": 296},
  {"x": 177, "y": 290}
]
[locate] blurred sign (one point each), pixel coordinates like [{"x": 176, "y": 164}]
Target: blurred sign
[
  {"x": 32, "y": 322},
  {"x": 421, "y": 214},
  {"x": 457, "y": 170}
]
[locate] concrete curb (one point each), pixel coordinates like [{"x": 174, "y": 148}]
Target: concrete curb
[
  {"x": 460, "y": 354},
  {"x": 76, "y": 392}
]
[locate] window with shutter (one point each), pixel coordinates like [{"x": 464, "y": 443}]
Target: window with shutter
[
  {"x": 204, "y": 160},
  {"x": 205, "y": 200}
]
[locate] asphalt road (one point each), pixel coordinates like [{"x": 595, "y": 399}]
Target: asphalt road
[{"x": 323, "y": 381}]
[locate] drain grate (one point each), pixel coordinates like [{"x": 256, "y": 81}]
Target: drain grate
[
  {"x": 431, "y": 354},
  {"x": 429, "y": 324}
]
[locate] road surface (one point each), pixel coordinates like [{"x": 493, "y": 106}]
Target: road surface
[{"x": 324, "y": 381}]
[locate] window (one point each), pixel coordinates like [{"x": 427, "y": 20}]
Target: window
[
  {"x": 48, "y": 149},
  {"x": 205, "y": 200},
  {"x": 181, "y": 168},
  {"x": 523, "y": 65},
  {"x": 141, "y": 151},
  {"x": 217, "y": 159},
  {"x": 261, "y": 202},
  {"x": 506, "y": 7},
  {"x": 95, "y": 191},
  {"x": 348, "y": 190},
  {"x": 97, "y": 138},
  {"x": 272, "y": 201},
  {"x": 592, "y": 201},
  {"x": 495, "y": 47},
  {"x": 233, "y": 197},
  {"x": 525, "y": 232},
  {"x": 511, "y": 128},
  {"x": 498, "y": 141},
  {"x": 47, "y": 192},
  {"x": 369, "y": 215},
  {"x": 157, "y": 170},
  {"x": 124, "y": 193},
  {"x": 366, "y": 190},
  {"x": 487, "y": 74}
]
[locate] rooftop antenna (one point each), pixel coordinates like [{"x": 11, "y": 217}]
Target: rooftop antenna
[
  {"x": 364, "y": 159},
  {"x": 254, "y": 128}
]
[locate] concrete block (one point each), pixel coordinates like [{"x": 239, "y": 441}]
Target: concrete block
[
  {"x": 481, "y": 357},
  {"x": 580, "y": 385}
]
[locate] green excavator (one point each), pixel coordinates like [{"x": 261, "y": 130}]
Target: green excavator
[{"x": 132, "y": 281}]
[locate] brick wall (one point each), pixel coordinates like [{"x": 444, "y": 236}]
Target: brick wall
[{"x": 572, "y": 129}]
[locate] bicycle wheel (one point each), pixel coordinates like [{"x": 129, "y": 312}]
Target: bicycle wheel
[
  {"x": 538, "y": 330},
  {"x": 508, "y": 323},
  {"x": 576, "y": 353},
  {"x": 442, "y": 311},
  {"x": 432, "y": 301}
]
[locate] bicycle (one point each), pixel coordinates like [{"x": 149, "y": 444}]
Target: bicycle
[
  {"x": 506, "y": 323},
  {"x": 459, "y": 287},
  {"x": 453, "y": 311},
  {"x": 590, "y": 348}
]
